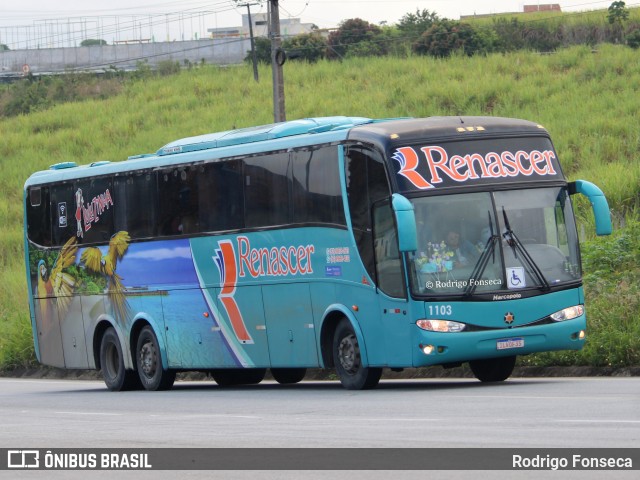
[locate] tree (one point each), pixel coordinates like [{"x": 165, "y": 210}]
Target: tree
[
  {"x": 415, "y": 24},
  {"x": 263, "y": 50},
  {"x": 308, "y": 46},
  {"x": 618, "y": 14},
  {"x": 350, "y": 36},
  {"x": 446, "y": 37},
  {"x": 4, "y": 48}
]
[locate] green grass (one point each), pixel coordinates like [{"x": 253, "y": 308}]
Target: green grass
[{"x": 588, "y": 101}]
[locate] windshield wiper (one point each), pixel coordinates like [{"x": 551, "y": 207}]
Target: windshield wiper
[
  {"x": 483, "y": 261},
  {"x": 516, "y": 245}
]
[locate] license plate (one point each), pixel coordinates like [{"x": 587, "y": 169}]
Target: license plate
[{"x": 510, "y": 343}]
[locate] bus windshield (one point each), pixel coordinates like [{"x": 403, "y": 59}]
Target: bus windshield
[{"x": 488, "y": 242}]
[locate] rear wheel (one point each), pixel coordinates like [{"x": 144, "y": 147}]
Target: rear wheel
[
  {"x": 288, "y": 375},
  {"x": 116, "y": 376},
  {"x": 348, "y": 360},
  {"x": 493, "y": 369},
  {"x": 227, "y": 377},
  {"x": 149, "y": 362}
]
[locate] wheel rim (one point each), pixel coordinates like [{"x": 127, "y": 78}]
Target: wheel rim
[
  {"x": 148, "y": 359},
  {"x": 349, "y": 354}
]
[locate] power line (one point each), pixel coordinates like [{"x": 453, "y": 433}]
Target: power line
[{"x": 55, "y": 33}]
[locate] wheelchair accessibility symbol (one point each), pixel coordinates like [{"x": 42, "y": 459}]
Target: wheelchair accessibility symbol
[{"x": 515, "y": 277}]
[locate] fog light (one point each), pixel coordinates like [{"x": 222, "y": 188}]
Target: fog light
[
  {"x": 427, "y": 349},
  {"x": 582, "y": 334}
]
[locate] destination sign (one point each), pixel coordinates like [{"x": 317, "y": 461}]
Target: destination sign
[{"x": 440, "y": 165}]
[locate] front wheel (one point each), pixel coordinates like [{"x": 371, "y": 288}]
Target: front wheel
[
  {"x": 116, "y": 377},
  {"x": 149, "y": 362},
  {"x": 288, "y": 375},
  {"x": 493, "y": 369},
  {"x": 348, "y": 361}
]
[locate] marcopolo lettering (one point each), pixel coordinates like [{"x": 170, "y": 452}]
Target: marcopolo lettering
[{"x": 442, "y": 167}]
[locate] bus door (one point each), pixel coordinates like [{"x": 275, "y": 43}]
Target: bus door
[
  {"x": 373, "y": 226},
  {"x": 390, "y": 282}
]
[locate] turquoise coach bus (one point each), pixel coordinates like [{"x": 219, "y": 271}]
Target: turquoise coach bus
[{"x": 336, "y": 242}]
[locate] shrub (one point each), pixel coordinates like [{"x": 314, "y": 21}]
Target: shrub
[
  {"x": 351, "y": 33},
  {"x": 309, "y": 46},
  {"x": 263, "y": 50},
  {"x": 446, "y": 37},
  {"x": 415, "y": 24},
  {"x": 633, "y": 39},
  {"x": 89, "y": 42}
]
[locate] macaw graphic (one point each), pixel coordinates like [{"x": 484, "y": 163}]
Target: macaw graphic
[
  {"x": 106, "y": 265},
  {"x": 57, "y": 283}
]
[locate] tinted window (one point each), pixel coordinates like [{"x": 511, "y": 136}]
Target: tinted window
[
  {"x": 38, "y": 216},
  {"x": 135, "y": 212},
  {"x": 98, "y": 200},
  {"x": 63, "y": 222},
  {"x": 316, "y": 186},
  {"x": 266, "y": 190},
  {"x": 388, "y": 265},
  {"x": 366, "y": 184},
  {"x": 178, "y": 200},
  {"x": 221, "y": 196}
]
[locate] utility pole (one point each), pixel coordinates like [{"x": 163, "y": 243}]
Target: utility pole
[
  {"x": 278, "y": 58},
  {"x": 254, "y": 59}
]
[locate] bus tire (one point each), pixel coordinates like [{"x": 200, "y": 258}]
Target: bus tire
[
  {"x": 493, "y": 369},
  {"x": 288, "y": 375},
  {"x": 116, "y": 377},
  {"x": 149, "y": 362},
  {"x": 228, "y": 377},
  {"x": 348, "y": 361}
]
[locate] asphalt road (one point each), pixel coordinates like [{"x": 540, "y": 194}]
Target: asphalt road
[{"x": 522, "y": 413}]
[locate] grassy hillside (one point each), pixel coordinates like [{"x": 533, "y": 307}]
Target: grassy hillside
[{"x": 588, "y": 101}]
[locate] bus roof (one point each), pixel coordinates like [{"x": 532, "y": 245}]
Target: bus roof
[
  {"x": 296, "y": 133},
  {"x": 412, "y": 130},
  {"x": 273, "y": 131}
]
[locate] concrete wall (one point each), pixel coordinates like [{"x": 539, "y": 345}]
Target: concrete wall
[
  {"x": 123, "y": 57},
  {"x": 549, "y": 7}
]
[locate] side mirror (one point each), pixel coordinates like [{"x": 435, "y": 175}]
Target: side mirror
[
  {"x": 406, "y": 221},
  {"x": 598, "y": 202}
]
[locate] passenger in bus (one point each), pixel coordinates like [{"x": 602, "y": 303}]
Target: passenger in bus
[{"x": 464, "y": 253}]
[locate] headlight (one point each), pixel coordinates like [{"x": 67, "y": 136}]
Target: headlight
[
  {"x": 440, "y": 325},
  {"x": 568, "y": 313}
]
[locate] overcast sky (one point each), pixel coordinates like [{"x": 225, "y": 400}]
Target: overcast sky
[{"x": 227, "y": 13}]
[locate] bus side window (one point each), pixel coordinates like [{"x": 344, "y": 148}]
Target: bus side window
[
  {"x": 266, "y": 190},
  {"x": 97, "y": 212},
  {"x": 221, "y": 196},
  {"x": 178, "y": 201},
  {"x": 387, "y": 255},
  {"x": 316, "y": 192},
  {"x": 135, "y": 208},
  {"x": 366, "y": 183},
  {"x": 63, "y": 209},
  {"x": 38, "y": 216}
]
